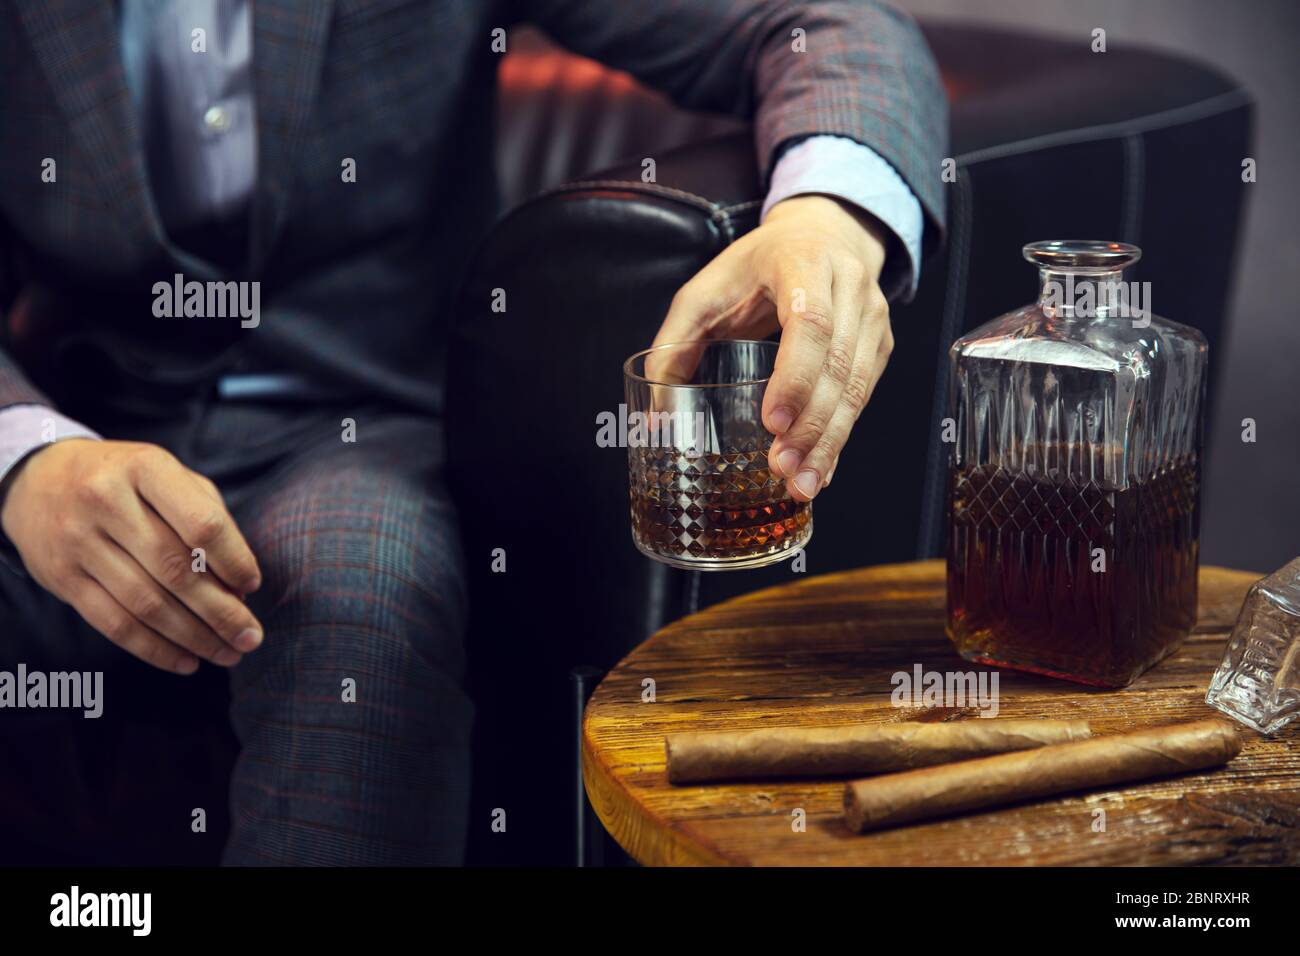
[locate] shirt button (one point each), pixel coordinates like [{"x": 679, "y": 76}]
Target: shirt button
[{"x": 216, "y": 119}]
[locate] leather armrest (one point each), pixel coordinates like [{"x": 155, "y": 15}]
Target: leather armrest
[{"x": 587, "y": 270}]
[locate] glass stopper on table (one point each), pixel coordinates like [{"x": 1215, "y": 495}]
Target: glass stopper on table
[{"x": 1258, "y": 681}]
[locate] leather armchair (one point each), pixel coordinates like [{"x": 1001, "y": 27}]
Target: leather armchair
[{"x": 1050, "y": 141}]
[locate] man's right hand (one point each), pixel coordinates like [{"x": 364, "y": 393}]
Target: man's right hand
[{"x": 110, "y": 528}]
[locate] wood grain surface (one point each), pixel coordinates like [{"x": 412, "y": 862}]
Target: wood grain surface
[{"x": 821, "y": 651}]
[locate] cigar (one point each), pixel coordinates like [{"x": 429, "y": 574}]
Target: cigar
[
  {"x": 860, "y": 748},
  {"x": 992, "y": 781}
]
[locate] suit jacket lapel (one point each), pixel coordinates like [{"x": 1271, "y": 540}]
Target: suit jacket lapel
[
  {"x": 288, "y": 47},
  {"x": 76, "y": 43}
]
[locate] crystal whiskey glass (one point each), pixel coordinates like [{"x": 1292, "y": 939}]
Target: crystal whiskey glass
[{"x": 702, "y": 494}]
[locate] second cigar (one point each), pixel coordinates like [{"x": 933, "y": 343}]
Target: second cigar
[
  {"x": 860, "y": 748},
  {"x": 899, "y": 798}
]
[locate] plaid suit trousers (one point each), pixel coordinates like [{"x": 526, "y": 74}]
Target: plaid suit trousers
[{"x": 353, "y": 729}]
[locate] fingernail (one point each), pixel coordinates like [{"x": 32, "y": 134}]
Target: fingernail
[
  {"x": 808, "y": 481},
  {"x": 187, "y": 666},
  {"x": 781, "y": 418},
  {"x": 227, "y": 657},
  {"x": 248, "y": 639},
  {"x": 788, "y": 462}
]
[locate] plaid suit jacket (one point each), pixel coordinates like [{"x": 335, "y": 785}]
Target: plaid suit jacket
[{"x": 354, "y": 275}]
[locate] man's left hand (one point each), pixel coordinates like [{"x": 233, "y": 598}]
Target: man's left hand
[{"x": 811, "y": 269}]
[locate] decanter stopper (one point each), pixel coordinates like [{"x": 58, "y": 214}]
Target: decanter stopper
[{"x": 1258, "y": 681}]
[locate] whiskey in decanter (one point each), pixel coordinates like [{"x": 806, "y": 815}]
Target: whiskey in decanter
[{"x": 1074, "y": 479}]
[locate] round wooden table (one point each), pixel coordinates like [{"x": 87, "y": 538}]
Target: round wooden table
[{"x": 821, "y": 651}]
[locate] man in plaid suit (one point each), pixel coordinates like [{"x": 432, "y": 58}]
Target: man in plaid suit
[{"x": 259, "y": 488}]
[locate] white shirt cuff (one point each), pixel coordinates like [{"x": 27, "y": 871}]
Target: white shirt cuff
[
  {"x": 844, "y": 168},
  {"x": 25, "y": 428}
]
